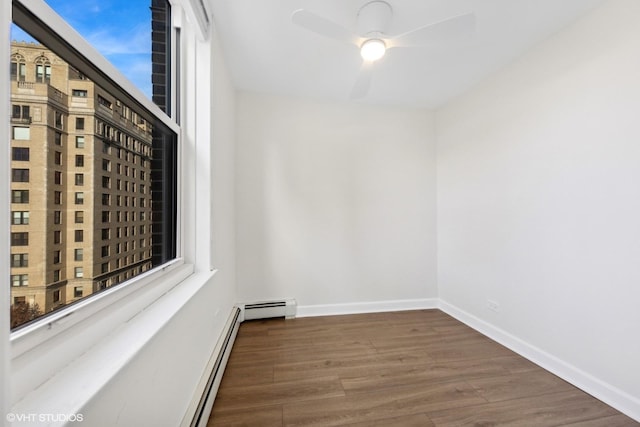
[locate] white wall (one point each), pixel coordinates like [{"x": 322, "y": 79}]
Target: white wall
[
  {"x": 539, "y": 199},
  {"x": 335, "y": 203}
]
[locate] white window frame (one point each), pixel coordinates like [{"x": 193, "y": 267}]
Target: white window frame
[{"x": 64, "y": 333}]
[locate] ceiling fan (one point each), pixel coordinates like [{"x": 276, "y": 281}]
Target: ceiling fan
[{"x": 373, "y": 40}]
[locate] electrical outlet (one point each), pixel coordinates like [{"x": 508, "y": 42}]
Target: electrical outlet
[{"x": 493, "y": 305}]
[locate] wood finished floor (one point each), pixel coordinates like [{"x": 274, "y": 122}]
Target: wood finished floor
[{"x": 413, "y": 368}]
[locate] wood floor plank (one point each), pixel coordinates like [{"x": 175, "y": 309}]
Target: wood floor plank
[
  {"x": 420, "y": 368},
  {"x": 379, "y": 405},
  {"x": 261, "y": 416},
  {"x": 234, "y": 397},
  {"x": 553, "y": 409}
]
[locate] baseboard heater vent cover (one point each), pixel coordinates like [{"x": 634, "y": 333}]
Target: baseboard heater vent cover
[{"x": 267, "y": 309}]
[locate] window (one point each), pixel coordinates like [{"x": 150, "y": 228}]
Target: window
[
  {"x": 127, "y": 121},
  {"x": 104, "y": 267},
  {"x": 58, "y": 119},
  {"x": 19, "y": 280},
  {"x": 56, "y": 275},
  {"x": 56, "y": 257},
  {"x": 20, "y": 154},
  {"x": 20, "y": 175},
  {"x": 21, "y": 133},
  {"x": 19, "y": 218},
  {"x": 105, "y": 251},
  {"x": 18, "y": 67},
  {"x": 19, "y": 260},
  {"x": 43, "y": 69},
  {"x": 20, "y": 239}
]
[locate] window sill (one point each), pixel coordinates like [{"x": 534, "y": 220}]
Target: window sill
[{"x": 83, "y": 378}]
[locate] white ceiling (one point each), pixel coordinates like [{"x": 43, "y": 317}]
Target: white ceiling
[{"x": 267, "y": 53}]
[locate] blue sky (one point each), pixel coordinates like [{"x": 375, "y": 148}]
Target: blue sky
[{"x": 119, "y": 29}]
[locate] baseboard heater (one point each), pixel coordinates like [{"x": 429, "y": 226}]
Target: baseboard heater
[
  {"x": 269, "y": 309},
  {"x": 203, "y": 410}
]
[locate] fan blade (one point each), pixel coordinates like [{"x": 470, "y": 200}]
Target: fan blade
[
  {"x": 457, "y": 27},
  {"x": 323, "y": 26},
  {"x": 361, "y": 88}
]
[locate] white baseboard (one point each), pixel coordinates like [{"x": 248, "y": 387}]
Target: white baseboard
[
  {"x": 366, "y": 307},
  {"x": 610, "y": 395}
]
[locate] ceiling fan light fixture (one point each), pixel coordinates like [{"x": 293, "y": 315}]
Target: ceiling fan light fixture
[{"x": 372, "y": 49}]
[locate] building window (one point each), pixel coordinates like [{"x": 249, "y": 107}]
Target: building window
[
  {"x": 56, "y": 257},
  {"x": 79, "y": 198},
  {"x": 20, "y": 154},
  {"x": 18, "y": 67},
  {"x": 79, "y": 93},
  {"x": 79, "y": 123},
  {"x": 57, "y": 139},
  {"x": 79, "y": 179},
  {"x": 19, "y": 260},
  {"x": 106, "y": 216},
  {"x": 57, "y": 217},
  {"x": 78, "y": 272},
  {"x": 106, "y": 182},
  {"x": 20, "y": 217},
  {"x": 57, "y": 177},
  {"x": 21, "y": 133},
  {"x": 78, "y": 254},
  {"x": 79, "y": 216},
  {"x": 77, "y": 291},
  {"x": 106, "y": 233},
  {"x": 19, "y": 280},
  {"x": 57, "y": 197},
  {"x": 19, "y": 175},
  {"x": 104, "y": 268},
  {"x": 106, "y": 165},
  {"x": 79, "y": 235},
  {"x": 56, "y": 275},
  {"x": 43, "y": 69},
  {"x": 79, "y": 160},
  {"x": 80, "y": 141},
  {"x": 19, "y": 196},
  {"x": 57, "y": 237},
  {"x": 105, "y": 251},
  {"x": 56, "y": 296},
  {"x": 58, "y": 119},
  {"x": 106, "y": 199},
  {"x": 20, "y": 239},
  {"x": 57, "y": 158}
]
